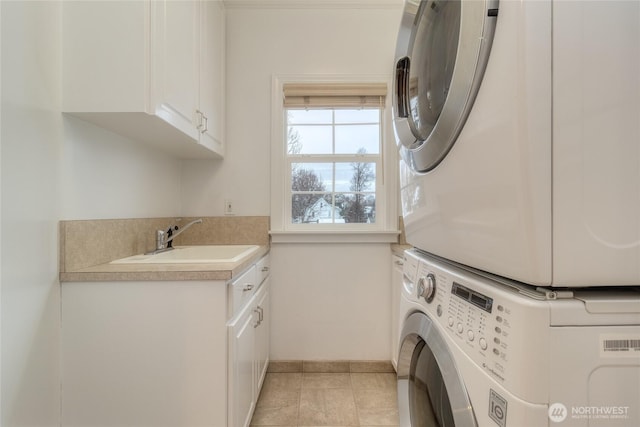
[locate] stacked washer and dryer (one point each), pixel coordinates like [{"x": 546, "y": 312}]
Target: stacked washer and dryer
[{"x": 518, "y": 126}]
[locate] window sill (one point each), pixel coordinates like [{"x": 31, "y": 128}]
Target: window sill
[{"x": 324, "y": 236}]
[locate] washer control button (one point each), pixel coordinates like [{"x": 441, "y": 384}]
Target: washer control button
[
  {"x": 483, "y": 343},
  {"x": 470, "y": 335},
  {"x": 460, "y": 328},
  {"x": 450, "y": 321}
]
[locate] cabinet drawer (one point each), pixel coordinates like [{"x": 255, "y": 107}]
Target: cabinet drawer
[
  {"x": 263, "y": 268},
  {"x": 241, "y": 290}
]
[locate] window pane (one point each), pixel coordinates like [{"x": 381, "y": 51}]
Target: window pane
[
  {"x": 350, "y": 139},
  {"x": 312, "y": 177},
  {"x": 313, "y": 208},
  {"x": 313, "y": 139},
  {"x": 330, "y": 192},
  {"x": 296, "y": 117},
  {"x": 357, "y": 176},
  {"x": 357, "y": 208},
  {"x": 358, "y": 116}
]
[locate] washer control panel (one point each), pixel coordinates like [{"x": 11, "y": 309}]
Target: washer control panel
[
  {"x": 500, "y": 325},
  {"x": 480, "y": 323},
  {"x": 478, "y": 319}
]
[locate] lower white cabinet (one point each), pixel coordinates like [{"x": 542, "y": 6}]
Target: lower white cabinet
[
  {"x": 242, "y": 349},
  {"x": 263, "y": 337},
  {"x": 248, "y": 356},
  {"x": 144, "y": 354},
  {"x": 397, "y": 264},
  {"x": 165, "y": 353}
]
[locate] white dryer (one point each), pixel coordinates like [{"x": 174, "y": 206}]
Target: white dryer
[
  {"x": 475, "y": 352},
  {"x": 518, "y": 124}
]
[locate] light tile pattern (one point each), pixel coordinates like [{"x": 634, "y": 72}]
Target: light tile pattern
[{"x": 314, "y": 399}]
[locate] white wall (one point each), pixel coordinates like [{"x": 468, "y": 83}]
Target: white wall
[
  {"x": 330, "y": 301},
  {"x": 31, "y": 134},
  {"x": 104, "y": 175},
  {"x": 53, "y": 168}
]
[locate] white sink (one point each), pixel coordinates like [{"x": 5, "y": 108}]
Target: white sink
[{"x": 193, "y": 255}]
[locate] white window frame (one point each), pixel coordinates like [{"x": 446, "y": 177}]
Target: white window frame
[{"x": 385, "y": 229}]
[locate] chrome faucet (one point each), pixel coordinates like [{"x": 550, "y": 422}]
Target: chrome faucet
[{"x": 164, "y": 239}]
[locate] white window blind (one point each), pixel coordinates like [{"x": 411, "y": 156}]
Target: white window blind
[{"x": 334, "y": 95}]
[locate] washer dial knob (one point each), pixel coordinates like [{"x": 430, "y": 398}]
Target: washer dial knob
[{"x": 427, "y": 287}]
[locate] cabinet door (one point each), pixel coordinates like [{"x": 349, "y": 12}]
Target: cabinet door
[
  {"x": 104, "y": 66},
  {"x": 212, "y": 74},
  {"x": 176, "y": 64},
  {"x": 396, "y": 291},
  {"x": 262, "y": 333},
  {"x": 241, "y": 360}
]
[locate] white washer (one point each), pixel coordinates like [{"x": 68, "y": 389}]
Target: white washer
[
  {"x": 475, "y": 352},
  {"x": 519, "y": 127}
]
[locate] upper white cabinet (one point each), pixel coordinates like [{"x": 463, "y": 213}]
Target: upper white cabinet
[
  {"x": 212, "y": 73},
  {"x": 150, "y": 70}
]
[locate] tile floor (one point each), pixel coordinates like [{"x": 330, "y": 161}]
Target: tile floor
[{"x": 327, "y": 399}]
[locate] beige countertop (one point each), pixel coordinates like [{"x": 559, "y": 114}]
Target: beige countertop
[
  {"x": 398, "y": 249},
  {"x": 88, "y": 246},
  {"x": 162, "y": 272}
]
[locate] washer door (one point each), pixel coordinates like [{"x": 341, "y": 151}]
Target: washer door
[
  {"x": 443, "y": 48},
  {"x": 431, "y": 391}
]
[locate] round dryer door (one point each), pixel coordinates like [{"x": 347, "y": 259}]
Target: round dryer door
[
  {"x": 443, "y": 48},
  {"x": 431, "y": 391}
]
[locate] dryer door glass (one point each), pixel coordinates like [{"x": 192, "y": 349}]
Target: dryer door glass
[
  {"x": 431, "y": 390},
  {"x": 433, "y": 47},
  {"x": 428, "y": 398}
]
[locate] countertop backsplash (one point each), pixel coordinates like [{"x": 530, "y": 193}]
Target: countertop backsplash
[{"x": 86, "y": 243}]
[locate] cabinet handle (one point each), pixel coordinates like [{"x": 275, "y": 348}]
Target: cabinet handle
[
  {"x": 199, "y": 117},
  {"x": 399, "y": 263},
  {"x": 260, "y": 314},
  {"x": 205, "y": 126},
  {"x": 265, "y": 269},
  {"x": 247, "y": 287},
  {"x": 255, "y": 310}
]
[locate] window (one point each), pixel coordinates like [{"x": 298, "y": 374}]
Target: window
[
  {"x": 328, "y": 165},
  {"x": 333, "y": 161}
]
